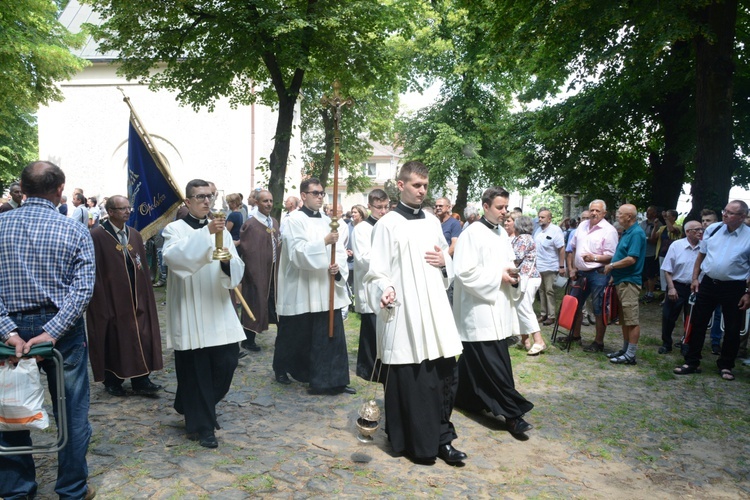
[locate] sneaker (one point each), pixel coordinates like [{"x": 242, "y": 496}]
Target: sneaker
[
  {"x": 623, "y": 360},
  {"x": 594, "y": 347},
  {"x": 585, "y": 321},
  {"x": 159, "y": 283},
  {"x": 616, "y": 354},
  {"x": 715, "y": 350},
  {"x": 647, "y": 299}
]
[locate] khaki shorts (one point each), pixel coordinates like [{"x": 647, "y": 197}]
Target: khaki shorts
[{"x": 628, "y": 293}]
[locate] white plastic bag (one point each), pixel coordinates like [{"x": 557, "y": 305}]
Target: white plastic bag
[{"x": 21, "y": 397}]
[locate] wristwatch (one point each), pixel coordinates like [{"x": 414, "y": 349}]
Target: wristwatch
[{"x": 8, "y": 336}]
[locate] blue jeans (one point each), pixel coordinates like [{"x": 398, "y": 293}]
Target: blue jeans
[
  {"x": 18, "y": 476},
  {"x": 595, "y": 284}
]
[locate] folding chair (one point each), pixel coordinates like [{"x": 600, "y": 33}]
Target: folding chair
[
  {"x": 569, "y": 310},
  {"x": 45, "y": 350}
]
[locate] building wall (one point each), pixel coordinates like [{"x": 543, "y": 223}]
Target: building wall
[{"x": 86, "y": 135}]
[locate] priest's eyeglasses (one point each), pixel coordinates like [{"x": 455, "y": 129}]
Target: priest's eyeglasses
[
  {"x": 316, "y": 193},
  {"x": 202, "y": 197}
]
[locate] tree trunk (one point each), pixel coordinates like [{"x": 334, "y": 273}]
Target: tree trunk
[
  {"x": 280, "y": 153},
  {"x": 677, "y": 122},
  {"x": 462, "y": 192},
  {"x": 714, "y": 158}
]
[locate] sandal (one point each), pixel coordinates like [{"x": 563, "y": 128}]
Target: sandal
[
  {"x": 726, "y": 374},
  {"x": 536, "y": 349},
  {"x": 686, "y": 370}
]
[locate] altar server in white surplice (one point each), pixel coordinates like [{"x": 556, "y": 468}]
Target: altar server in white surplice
[
  {"x": 417, "y": 339},
  {"x": 378, "y": 203},
  {"x": 303, "y": 348},
  {"x": 201, "y": 320},
  {"x": 486, "y": 287}
]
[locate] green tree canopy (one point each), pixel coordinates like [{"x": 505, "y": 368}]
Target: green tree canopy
[
  {"x": 34, "y": 54},
  {"x": 247, "y": 51},
  {"x": 635, "y": 71}
]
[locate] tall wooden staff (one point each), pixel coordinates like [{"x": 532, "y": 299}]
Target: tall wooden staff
[{"x": 336, "y": 102}]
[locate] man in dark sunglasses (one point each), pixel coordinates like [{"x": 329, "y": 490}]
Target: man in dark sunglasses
[{"x": 303, "y": 348}]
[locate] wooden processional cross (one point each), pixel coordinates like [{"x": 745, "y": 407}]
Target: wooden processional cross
[{"x": 336, "y": 102}]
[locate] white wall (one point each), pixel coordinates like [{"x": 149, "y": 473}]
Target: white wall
[{"x": 86, "y": 135}]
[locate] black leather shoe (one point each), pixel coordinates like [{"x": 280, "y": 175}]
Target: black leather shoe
[
  {"x": 517, "y": 426},
  {"x": 250, "y": 346},
  {"x": 147, "y": 387},
  {"x": 115, "y": 390},
  {"x": 241, "y": 354},
  {"x": 665, "y": 350},
  {"x": 450, "y": 455},
  {"x": 209, "y": 441},
  {"x": 349, "y": 390},
  {"x": 283, "y": 378}
]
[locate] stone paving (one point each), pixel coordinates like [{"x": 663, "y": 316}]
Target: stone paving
[{"x": 593, "y": 438}]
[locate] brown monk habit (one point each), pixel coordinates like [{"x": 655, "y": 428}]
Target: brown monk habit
[
  {"x": 259, "y": 283},
  {"x": 122, "y": 322}
]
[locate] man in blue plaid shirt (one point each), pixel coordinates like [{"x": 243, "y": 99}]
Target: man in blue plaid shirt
[{"x": 47, "y": 280}]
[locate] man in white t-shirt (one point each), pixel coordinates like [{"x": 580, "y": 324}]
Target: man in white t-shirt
[{"x": 550, "y": 262}]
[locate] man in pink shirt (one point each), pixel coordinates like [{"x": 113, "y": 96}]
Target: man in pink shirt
[{"x": 594, "y": 244}]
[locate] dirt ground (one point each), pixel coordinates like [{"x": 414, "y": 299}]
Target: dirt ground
[{"x": 600, "y": 431}]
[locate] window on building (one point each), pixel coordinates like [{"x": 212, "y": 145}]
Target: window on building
[{"x": 371, "y": 169}]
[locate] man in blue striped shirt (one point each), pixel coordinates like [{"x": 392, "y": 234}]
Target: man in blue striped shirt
[{"x": 47, "y": 280}]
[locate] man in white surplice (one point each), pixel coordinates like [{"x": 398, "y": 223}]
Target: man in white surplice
[
  {"x": 417, "y": 339},
  {"x": 486, "y": 287},
  {"x": 378, "y": 203},
  {"x": 201, "y": 320},
  {"x": 303, "y": 347}
]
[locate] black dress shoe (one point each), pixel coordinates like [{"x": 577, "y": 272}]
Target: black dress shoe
[
  {"x": 250, "y": 346},
  {"x": 115, "y": 390},
  {"x": 283, "y": 378},
  {"x": 146, "y": 387},
  {"x": 349, "y": 390},
  {"x": 208, "y": 441},
  {"x": 241, "y": 354},
  {"x": 517, "y": 426},
  {"x": 450, "y": 455},
  {"x": 665, "y": 350}
]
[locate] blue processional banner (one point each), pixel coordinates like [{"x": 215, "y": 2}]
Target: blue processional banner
[{"x": 152, "y": 191}]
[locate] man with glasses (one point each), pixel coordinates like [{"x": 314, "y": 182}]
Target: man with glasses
[
  {"x": 304, "y": 349},
  {"x": 123, "y": 324},
  {"x": 378, "y": 203},
  {"x": 724, "y": 260},
  {"x": 201, "y": 319},
  {"x": 678, "y": 271}
]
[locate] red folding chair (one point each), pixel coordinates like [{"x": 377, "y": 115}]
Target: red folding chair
[{"x": 568, "y": 311}]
